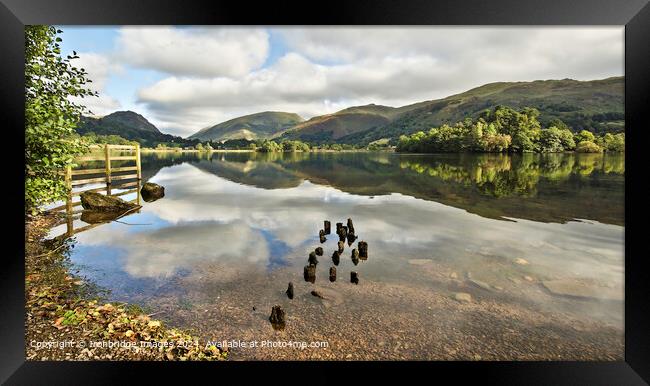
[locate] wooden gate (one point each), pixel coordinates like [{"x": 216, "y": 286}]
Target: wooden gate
[{"x": 116, "y": 180}]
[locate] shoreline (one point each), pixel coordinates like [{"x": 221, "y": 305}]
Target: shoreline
[{"x": 67, "y": 319}]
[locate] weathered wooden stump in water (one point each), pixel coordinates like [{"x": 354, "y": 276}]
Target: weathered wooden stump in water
[
  {"x": 355, "y": 256},
  {"x": 354, "y": 277},
  {"x": 290, "y": 291},
  {"x": 313, "y": 260},
  {"x": 363, "y": 250},
  {"x": 310, "y": 273},
  {"x": 319, "y": 251},
  {"x": 277, "y": 318},
  {"x": 322, "y": 239},
  {"x": 332, "y": 274},
  {"x": 327, "y": 227},
  {"x": 336, "y": 257},
  {"x": 351, "y": 238},
  {"x": 338, "y": 227},
  {"x": 350, "y": 226},
  {"x": 341, "y": 245}
]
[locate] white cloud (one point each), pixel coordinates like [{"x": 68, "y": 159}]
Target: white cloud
[
  {"x": 332, "y": 68},
  {"x": 215, "y": 74},
  {"x": 206, "y": 52},
  {"x": 99, "y": 68}
]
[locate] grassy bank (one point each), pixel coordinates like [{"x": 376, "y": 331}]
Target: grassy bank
[{"x": 66, "y": 319}]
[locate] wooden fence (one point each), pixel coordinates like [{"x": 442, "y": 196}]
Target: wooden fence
[{"x": 113, "y": 178}]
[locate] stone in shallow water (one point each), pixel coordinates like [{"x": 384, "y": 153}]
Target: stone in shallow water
[
  {"x": 521, "y": 261},
  {"x": 582, "y": 289},
  {"x": 319, "y": 251},
  {"x": 480, "y": 284},
  {"x": 151, "y": 192},
  {"x": 100, "y": 202},
  {"x": 420, "y": 261},
  {"x": 463, "y": 297},
  {"x": 327, "y": 296}
]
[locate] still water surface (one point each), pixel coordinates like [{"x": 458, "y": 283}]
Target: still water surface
[{"x": 234, "y": 228}]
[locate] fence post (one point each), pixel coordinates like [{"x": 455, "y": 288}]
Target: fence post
[
  {"x": 107, "y": 161},
  {"x": 139, "y": 170},
  {"x": 137, "y": 161},
  {"x": 68, "y": 200}
]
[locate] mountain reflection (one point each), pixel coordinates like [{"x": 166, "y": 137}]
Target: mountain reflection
[{"x": 538, "y": 187}]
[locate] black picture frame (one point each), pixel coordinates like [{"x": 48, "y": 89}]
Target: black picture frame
[{"x": 633, "y": 14}]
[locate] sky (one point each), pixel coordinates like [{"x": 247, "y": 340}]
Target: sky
[{"x": 185, "y": 78}]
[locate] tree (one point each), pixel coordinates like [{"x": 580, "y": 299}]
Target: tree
[
  {"x": 584, "y": 135},
  {"x": 588, "y": 147},
  {"x": 51, "y": 115},
  {"x": 550, "y": 140},
  {"x": 198, "y": 147}
]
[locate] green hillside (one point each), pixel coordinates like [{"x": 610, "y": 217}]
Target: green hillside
[
  {"x": 593, "y": 105},
  {"x": 128, "y": 125},
  {"x": 263, "y": 125}
]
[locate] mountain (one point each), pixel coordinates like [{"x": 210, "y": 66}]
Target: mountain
[
  {"x": 595, "y": 105},
  {"x": 126, "y": 124},
  {"x": 333, "y": 127},
  {"x": 263, "y": 125}
]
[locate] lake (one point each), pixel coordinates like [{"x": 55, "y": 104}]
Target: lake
[{"x": 470, "y": 256}]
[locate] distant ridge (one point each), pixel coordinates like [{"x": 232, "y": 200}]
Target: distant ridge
[{"x": 267, "y": 124}]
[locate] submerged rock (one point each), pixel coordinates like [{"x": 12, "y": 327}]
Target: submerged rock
[
  {"x": 310, "y": 273},
  {"x": 355, "y": 256},
  {"x": 290, "y": 291},
  {"x": 313, "y": 260},
  {"x": 151, "y": 192},
  {"x": 336, "y": 257},
  {"x": 341, "y": 246},
  {"x": 103, "y": 203},
  {"x": 363, "y": 249},
  {"x": 419, "y": 261},
  {"x": 583, "y": 289},
  {"x": 328, "y": 297},
  {"x": 277, "y": 318},
  {"x": 354, "y": 277},
  {"x": 97, "y": 217},
  {"x": 332, "y": 274},
  {"x": 327, "y": 227},
  {"x": 521, "y": 261},
  {"x": 463, "y": 297},
  {"x": 319, "y": 251}
]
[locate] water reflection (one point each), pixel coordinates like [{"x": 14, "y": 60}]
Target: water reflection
[
  {"x": 567, "y": 186},
  {"x": 247, "y": 221}
]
